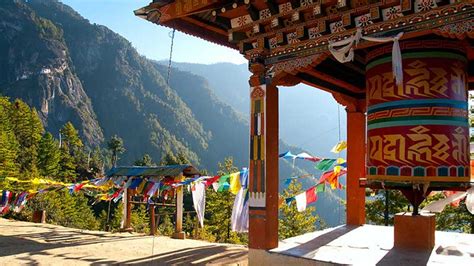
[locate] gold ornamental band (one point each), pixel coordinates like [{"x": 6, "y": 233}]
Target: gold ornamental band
[{"x": 421, "y": 178}]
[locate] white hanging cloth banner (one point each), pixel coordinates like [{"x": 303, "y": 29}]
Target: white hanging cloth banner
[
  {"x": 438, "y": 206},
  {"x": 240, "y": 212},
  {"x": 199, "y": 200},
  {"x": 470, "y": 200},
  {"x": 301, "y": 202},
  {"x": 346, "y": 52}
]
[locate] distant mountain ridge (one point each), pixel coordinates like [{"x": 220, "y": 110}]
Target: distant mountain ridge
[
  {"x": 71, "y": 70},
  {"x": 308, "y": 116}
]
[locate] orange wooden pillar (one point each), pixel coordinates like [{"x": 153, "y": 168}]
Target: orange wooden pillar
[
  {"x": 263, "y": 167},
  {"x": 356, "y": 153}
]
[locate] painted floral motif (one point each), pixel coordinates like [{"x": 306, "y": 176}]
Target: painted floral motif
[
  {"x": 305, "y": 3},
  {"x": 256, "y": 28},
  {"x": 458, "y": 30},
  {"x": 265, "y": 13},
  {"x": 292, "y": 37},
  {"x": 337, "y": 27},
  {"x": 392, "y": 13},
  {"x": 364, "y": 20},
  {"x": 341, "y": 3},
  {"x": 317, "y": 10},
  {"x": 275, "y": 22},
  {"x": 272, "y": 43},
  {"x": 257, "y": 92},
  {"x": 314, "y": 33},
  {"x": 240, "y": 21},
  {"x": 424, "y": 5},
  {"x": 286, "y": 7},
  {"x": 295, "y": 16}
]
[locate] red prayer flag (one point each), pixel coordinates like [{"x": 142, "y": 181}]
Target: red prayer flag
[
  {"x": 212, "y": 180},
  {"x": 78, "y": 187},
  {"x": 311, "y": 195}
]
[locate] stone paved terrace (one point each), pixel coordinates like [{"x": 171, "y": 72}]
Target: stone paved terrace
[
  {"x": 367, "y": 245},
  {"x": 45, "y": 244}
]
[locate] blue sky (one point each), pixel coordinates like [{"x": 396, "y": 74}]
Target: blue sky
[{"x": 149, "y": 39}]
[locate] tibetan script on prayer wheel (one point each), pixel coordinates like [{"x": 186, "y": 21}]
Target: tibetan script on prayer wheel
[{"x": 418, "y": 130}]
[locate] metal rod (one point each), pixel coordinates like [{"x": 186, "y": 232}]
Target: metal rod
[
  {"x": 156, "y": 204},
  {"x": 386, "y": 206}
]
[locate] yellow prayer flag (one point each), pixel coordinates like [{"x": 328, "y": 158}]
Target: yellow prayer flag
[
  {"x": 235, "y": 183},
  {"x": 342, "y": 145},
  {"x": 141, "y": 186}
]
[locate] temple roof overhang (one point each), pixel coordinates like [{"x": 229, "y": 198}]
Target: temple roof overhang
[{"x": 292, "y": 37}]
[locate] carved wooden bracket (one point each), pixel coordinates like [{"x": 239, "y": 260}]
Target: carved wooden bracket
[{"x": 351, "y": 104}]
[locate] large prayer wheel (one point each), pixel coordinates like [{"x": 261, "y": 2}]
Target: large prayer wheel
[{"x": 418, "y": 131}]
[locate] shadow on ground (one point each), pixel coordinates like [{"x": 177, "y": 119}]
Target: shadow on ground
[
  {"x": 24, "y": 246},
  {"x": 196, "y": 256}
]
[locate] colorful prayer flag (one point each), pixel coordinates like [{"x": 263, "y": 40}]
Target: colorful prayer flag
[
  {"x": 342, "y": 145},
  {"x": 325, "y": 164},
  {"x": 306, "y": 156},
  {"x": 287, "y": 155},
  {"x": 235, "y": 183}
]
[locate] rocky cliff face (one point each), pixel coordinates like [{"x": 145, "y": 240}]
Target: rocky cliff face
[
  {"x": 71, "y": 70},
  {"x": 35, "y": 65}
]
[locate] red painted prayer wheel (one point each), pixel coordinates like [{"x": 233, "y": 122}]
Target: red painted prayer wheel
[{"x": 418, "y": 131}]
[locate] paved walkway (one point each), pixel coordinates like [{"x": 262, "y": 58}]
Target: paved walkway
[
  {"x": 45, "y": 244},
  {"x": 372, "y": 245}
]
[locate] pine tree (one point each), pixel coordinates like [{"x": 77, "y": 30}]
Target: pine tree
[
  {"x": 49, "y": 156},
  {"x": 70, "y": 138},
  {"x": 96, "y": 165},
  {"x": 28, "y": 130},
  {"x": 146, "y": 160},
  {"x": 8, "y": 144},
  {"x": 67, "y": 166},
  {"x": 115, "y": 146},
  {"x": 169, "y": 158},
  {"x": 72, "y": 154},
  {"x": 219, "y": 208},
  {"x": 292, "y": 222}
]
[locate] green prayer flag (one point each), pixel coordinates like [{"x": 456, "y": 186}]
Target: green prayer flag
[
  {"x": 223, "y": 187},
  {"x": 325, "y": 164},
  {"x": 320, "y": 188}
]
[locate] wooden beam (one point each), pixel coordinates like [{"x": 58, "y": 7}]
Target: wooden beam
[
  {"x": 182, "y": 8},
  {"x": 311, "y": 80},
  {"x": 253, "y": 12},
  {"x": 204, "y": 25},
  {"x": 336, "y": 82}
]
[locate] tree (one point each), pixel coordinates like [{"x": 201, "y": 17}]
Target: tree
[
  {"x": 96, "y": 164},
  {"x": 8, "y": 143},
  {"x": 375, "y": 206},
  {"x": 70, "y": 138},
  {"x": 49, "y": 156},
  {"x": 219, "y": 208},
  {"x": 169, "y": 158},
  {"x": 28, "y": 130},
  {"x": 115, "y": 145},
  {"x": 65, "y": 209},
  {"x": 452, "y": 218},
  {"x": 146, "y": 160},
  {"x": 292, "y": 222},
  {"x": 67, "y": 165}
]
